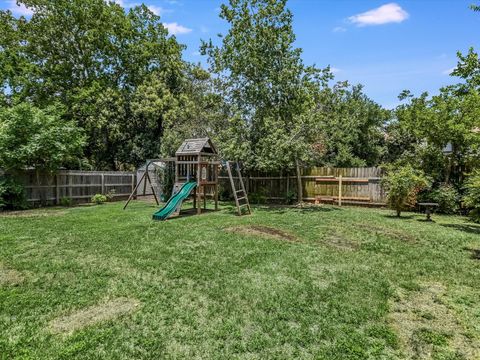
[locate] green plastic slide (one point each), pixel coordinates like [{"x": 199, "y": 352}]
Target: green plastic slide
[{"x": 175, "y": 201}]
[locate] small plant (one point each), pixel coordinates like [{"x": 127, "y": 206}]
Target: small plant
[
  {"x": 99, "y": 199},
  {"x": 291, "y": 197},
  {"x": 258, "y": 197},
  {"x": 224, "y": 192},
  {"x": 12, "y": 195},
  {"x": 403, "y": 185},
  {"x": 472, "y": 196},
  {"x": 66, "y": 201},
  {"x": 110, "y": 195}
]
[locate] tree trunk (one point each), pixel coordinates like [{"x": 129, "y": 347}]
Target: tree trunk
[
  {"x": 299, "y": 182},
  {"x": 399, "y": 212}
]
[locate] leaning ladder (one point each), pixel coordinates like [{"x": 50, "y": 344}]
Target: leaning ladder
[{"x": 239, "y": 195}]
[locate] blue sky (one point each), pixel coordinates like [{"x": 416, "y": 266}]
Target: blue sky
[{"x": 386, "y": 46}]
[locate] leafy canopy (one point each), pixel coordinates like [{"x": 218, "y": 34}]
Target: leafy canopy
[{"x": 34, "y": 138}]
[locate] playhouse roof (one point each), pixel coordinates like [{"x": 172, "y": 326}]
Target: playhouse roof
[{"x": 196, "y": 146}]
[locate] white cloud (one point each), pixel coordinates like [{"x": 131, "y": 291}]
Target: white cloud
[
  {"x": 334, "y": 70},
  {"x": 196, "y": 53},
  {"x": 157, "y": 10},
  {"x": 119, "y": 2},
  {"x": 204, "y": 29},
  {"x": 339, "y": 29},
  {"x": 448, "y": 71},
  {"x": 388, "y": 13},
  {"x": 176, "y": 29},
  {"x": 19, "y": 10}
]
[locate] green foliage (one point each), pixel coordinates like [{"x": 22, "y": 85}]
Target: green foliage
[
  {"x": 30, "y": 137},
  {"x": 110, "y": 195},
  {"x": 269, "y": 88},
  {"x": 290, "y": 197},
  {"x": 424, "y": 126},
  {"x": 12, "y": 194},
  {"x": 98, "y": 199},
  {"x": 472, "y": 195},
  {"x": 117, "y": 74},
  {"x": 259, "y": 196},
  {"x": 446, "y": 196},
  {"x": 66, "y": 201},
  {"x": 402, "y": 186},
  {"x": 351, "y": 127}
]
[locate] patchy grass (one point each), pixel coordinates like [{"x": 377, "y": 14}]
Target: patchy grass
[
  {"x": 260, "y": 230},
  {"x": 313, "y": 282},
  {"x": 108, "y": 310}
]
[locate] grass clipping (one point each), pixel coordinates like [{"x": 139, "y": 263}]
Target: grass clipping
[
  {"x": 262, "y": 231},
  {"x": 93, "y": 315},
  {"x": 428, "y": 329}
]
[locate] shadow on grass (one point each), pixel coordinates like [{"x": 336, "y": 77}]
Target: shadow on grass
[
  {"x": 403, "y": 217},
  {"x": 468, "y": 228},
  {"x": 281, "y": 209},
  {"x": 475, "y": 253},
  {"x": 191, "y": 212}
]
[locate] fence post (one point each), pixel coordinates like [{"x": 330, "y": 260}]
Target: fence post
[
  {"x": 69, "y": 184},
  {"x": 57, "y": 190},
  {"x": 340, "y": 190},
  {"x": 133, "y": 185},
  {"x": 103, "y": 183}
]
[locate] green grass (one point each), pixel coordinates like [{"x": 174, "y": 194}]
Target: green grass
[{"x": 354, "y": 284}]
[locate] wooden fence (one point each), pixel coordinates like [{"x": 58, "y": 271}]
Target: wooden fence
[
  {"x": 320, "y": 184},
  {"x": 79, "y": 186}
]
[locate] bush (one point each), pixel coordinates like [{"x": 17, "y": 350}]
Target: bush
[
  {"x": 291, "y": 197},
  {"x": 472, "y": 196},
  {"x": 111, "y": 195},
  {"x": 12, "y": 195},
  {"x": 225, "y": 192},
  {"x": 99, "y": 199},
  {"x": 446, "y": 196},
  {"x": 258, "y": 197},
  {"x": 66, "y": 201},
  {"x": 403, "y": 185}
]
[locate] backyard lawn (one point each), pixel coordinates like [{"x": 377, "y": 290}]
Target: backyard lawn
[{"x": 322, "y": 282}]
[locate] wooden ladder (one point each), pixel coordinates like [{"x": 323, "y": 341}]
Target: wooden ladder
[{"x": 241, "y": 194}]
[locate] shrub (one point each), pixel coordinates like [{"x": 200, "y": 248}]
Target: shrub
[
  {"x": 225, "y": 192},
  {"x": 99, "y": 199},
  {"x": 291, "y": 197},
  {"x": 12, "y": 195},
  {"x": 446, "y": 196},
  {"x": 403, "y": 185},
  {"x": 111, "y": 195},
  {"x": 258, "y": 197},
  {"x": 472, "y": 196},
  {"x": 66, "y": 201}
]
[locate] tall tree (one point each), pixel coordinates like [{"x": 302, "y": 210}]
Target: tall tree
[
  {"x": 265, "y": 83},
  {"x": 94, "y": 58}
]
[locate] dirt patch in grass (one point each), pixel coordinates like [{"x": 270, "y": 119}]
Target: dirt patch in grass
[
  {"x": 387, "y": 232},
  {"x": 92, "y": 315},
  {"x": 341, "y": 243},
  {"x": 264, "y": 231},
  {"x": 427, "y": 328},
  {"x": 10, "y": 276}
]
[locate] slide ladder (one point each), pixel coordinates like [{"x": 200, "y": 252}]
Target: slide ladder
[
  {"x": 175, "y": 201},
  {"x": 240, "y": 195}
]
